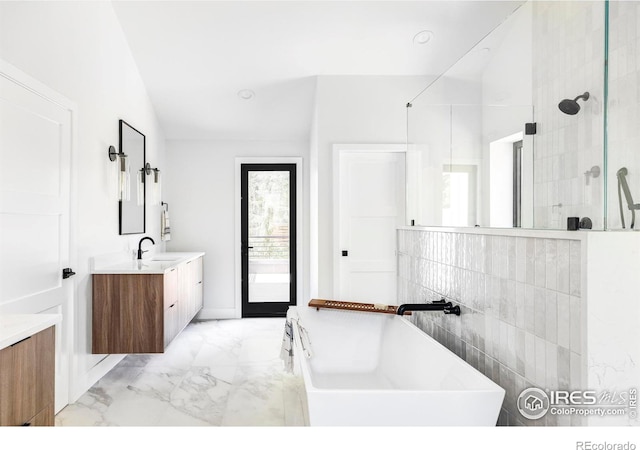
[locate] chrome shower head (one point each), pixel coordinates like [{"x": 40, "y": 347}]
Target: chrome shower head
[{"x": 572, "y": 107}]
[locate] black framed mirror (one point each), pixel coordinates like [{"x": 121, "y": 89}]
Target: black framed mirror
[{"x": 132, "y": 205}]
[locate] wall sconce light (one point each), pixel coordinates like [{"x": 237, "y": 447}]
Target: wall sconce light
[
  {"x": 148, "y": 169},
  {"x": 154, "y": 183},
  {"x": 124, "y": 181}
]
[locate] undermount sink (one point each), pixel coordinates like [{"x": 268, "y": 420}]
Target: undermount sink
[
  {"x": 149, "y": 264},
  {"x": 165, "y": 258}
]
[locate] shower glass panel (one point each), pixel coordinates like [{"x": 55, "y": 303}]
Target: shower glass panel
[
  {"x": 463, "y": 172},
  {"x": 505, "y": 89},
  {"x": 623, "y": 116}
]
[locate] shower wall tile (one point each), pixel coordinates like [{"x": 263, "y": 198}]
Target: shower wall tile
[
  {"x": 540, "y": 261},
  {"x": 551, "y": 263},
  {"x": 564, "y": 321},
  {"x": 552, "y": 366},
  {"x": 520, "y": 325},
  {"x": 541, "y": 360},
  {"x": 540, "y": 312},
  {"x": 520, "y": 307},
  {"x": 564, "y": 368},
  {"x": 562, "y": 273},
  {"x": 568, "y": 146},
  {"x": 551, "y": 310},
  {"x": 529, "y": 308},
  {"x": 521, "y": 260},
  {"x": 575, "y": 326},
  {"x": 575, "y": 262}
]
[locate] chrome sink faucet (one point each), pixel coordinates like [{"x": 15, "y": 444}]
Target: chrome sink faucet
[{"x": 140, "y": 251}]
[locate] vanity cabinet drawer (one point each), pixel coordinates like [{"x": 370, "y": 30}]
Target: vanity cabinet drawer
[
  {"x": 170, "y": 286},
  {"x": 27, "y": 380},
  {"x": 171, "y": 323}
]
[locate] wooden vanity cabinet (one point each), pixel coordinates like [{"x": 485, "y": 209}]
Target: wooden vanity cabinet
[
  {"x": 143, "y": 313},
  {"x": 27, "y": 374},
  {"x": 128, "y": 313}
]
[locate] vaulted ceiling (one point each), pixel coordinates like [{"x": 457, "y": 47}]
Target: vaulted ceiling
[{"x": 195, "y": 57}]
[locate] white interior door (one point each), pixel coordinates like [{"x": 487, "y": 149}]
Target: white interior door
[
  {"x": 35, "y": 152},
  {"x": 372, "y": 205}
]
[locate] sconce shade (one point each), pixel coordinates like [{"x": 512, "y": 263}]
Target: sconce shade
[{"x": 124, "y": 183}]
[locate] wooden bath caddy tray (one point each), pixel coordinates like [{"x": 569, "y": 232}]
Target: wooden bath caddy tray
[{"x": 354, "y": 306}]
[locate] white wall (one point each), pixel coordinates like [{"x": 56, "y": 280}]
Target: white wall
[
  {"x": 199, "y": 187},
  {"x": 612, "y": 316},
  {"x": 352, "y": 110},
  {"x": 79, "y": 50}
]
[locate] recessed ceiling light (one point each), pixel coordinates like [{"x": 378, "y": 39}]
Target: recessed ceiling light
[
  {"x": 423, "y": 37},
  {"x": 246, "y": 94}
]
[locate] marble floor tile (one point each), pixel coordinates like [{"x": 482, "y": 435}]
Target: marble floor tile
[
  {"x": 202, "y": 396},
  {"x": 130, "y": 408},
  {"x": 215, "y": 373}
]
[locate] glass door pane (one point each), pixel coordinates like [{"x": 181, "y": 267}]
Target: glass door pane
[{"x": 269, "y": 243}]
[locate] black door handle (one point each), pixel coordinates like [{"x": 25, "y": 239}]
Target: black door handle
[{"x": 66, "y": 273}]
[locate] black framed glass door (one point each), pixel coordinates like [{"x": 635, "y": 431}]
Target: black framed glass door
[{"x": 268, "y": 217}]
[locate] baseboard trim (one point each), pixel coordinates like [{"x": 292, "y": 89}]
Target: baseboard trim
[
  {"x": 218, "y": 313},
  {"x": 94, "y": 374}
]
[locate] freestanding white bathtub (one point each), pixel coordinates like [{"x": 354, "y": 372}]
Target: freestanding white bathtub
[{"x": 369, "y": 369}]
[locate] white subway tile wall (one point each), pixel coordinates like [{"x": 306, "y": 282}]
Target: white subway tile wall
[{"x": 520, "y": 321}]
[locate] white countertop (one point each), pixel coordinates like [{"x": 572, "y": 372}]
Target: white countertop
[
  {"x": 158, "y": 263},
  {"x": 15, "y": 327}
]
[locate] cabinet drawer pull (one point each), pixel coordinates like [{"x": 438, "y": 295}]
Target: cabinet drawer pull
[
  {"x": 172, "y": 305},
  {"x": 199, "y": 282},
  {"x": 21, "y": 340},
  {"x": 172, "y": 270}
]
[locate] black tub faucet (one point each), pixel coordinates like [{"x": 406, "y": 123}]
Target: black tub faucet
[
  {"x": 438, "y": 305},
  {"x": 140, "y": 251}
]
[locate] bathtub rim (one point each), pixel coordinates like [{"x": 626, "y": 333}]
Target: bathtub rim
[{"x": 492, "y": 387}]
